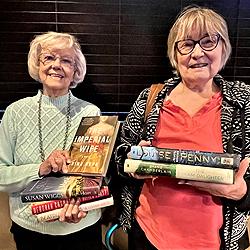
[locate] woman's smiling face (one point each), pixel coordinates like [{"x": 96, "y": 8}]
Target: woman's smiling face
[
  {"x": 56, "y": 70},
  {"x": 199, "y": 66}
]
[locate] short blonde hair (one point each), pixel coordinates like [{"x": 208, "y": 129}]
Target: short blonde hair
[
  {"x": 59, "y": 41},
  {"x": 202, "y": 20}
]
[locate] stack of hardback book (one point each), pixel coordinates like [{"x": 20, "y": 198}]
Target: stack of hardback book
[
  {"x": 90, "y": 154},
  {"x": 183, "y": 164}
]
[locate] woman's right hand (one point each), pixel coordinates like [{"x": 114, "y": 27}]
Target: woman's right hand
[
  {"x": 71, "y": 212},
  {"x": 137, "y": 176},
  {"x": 56, "y": 162}
]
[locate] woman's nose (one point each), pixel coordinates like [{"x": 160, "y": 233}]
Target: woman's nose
[
  {"x": 56, "y": 63},
  {"x": 197, "y": 51}
]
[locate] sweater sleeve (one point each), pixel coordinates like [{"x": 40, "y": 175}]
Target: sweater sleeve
[
  {"x": 13, "y": 178},
  {"x": 244, "y": 203}
]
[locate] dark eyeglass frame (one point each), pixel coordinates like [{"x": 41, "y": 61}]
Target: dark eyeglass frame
[{"x": 195, "y": 42}]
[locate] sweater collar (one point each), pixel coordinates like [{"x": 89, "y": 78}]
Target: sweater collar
[{"x": 59, "y": 102}]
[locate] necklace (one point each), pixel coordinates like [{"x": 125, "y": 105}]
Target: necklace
[{"x": 68, "y": 124}]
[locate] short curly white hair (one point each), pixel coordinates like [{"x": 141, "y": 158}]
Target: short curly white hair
[{"x": 59, "y": 41}]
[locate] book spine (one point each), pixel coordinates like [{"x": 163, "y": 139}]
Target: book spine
[
  {"x": 190, "y": 157},
  {"x": 41, "y": 207},
  {"x": 29, "y": 197},
  {"x": 180, "y": 171},
  {"x": 54, "y": 214},
  {"x": 42, "y": 197},
  {"x": 97, "y": 204}
]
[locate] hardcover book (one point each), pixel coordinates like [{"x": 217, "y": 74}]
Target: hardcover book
[
  {"x": 190, "y": 157},
  {"x": 60, "y": 187},
  {"x": 92, "y": 146},
  {"x": 54, "y": 214},
  {"x": 180, "y": 171},
  {"x": 45, "y": 206}
]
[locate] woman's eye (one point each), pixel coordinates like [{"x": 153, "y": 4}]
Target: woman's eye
[
  {"x": 67, "y": 61},
  {"x": 208, "y": 41},
  {"x": 49, "y": 58},
  {"x": 188, "y": 44}
]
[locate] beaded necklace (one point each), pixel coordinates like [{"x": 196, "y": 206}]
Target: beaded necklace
[{"x": 68, "y": 124}]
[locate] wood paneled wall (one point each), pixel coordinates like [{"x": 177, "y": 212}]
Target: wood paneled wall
[{"x": 124, "y": 42}]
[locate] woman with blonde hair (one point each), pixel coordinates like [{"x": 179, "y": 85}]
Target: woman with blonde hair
[
  {"x": 36, "y": 133},
  {"x": 196, "y": 110}
]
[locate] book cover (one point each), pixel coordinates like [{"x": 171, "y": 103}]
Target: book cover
[
  {"x": 180, "y": 171},
  {"x": 60, "y": 187},
  {"x": 45, "y": 206},
  {"x": 92, "y": 145},
  {"x": 190, "y": 157},
  {"x": 54, "y": 214}
]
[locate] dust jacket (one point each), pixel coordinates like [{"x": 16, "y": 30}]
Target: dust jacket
[
  {"x": 190, "y": 157},
  {"x": 93, "y": 145},
  {"x": 45, "y": 206},
  {"x": 60, "y": 187},
  {"x": 180, "y": 171}
]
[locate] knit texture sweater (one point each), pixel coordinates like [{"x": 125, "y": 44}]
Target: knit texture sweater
[{"x": 20, "y": 157}]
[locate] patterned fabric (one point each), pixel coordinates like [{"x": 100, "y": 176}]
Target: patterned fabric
[{"x": 235, "y": 121}]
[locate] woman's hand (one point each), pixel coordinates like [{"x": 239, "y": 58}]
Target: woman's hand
[
  {"x": 234, "y": 191},
  {"x": 71, "y": 212},
  {"x": 56, "y": 162},
  {"x": 141, "y": 143},
  {"x": 137, "y": 176}
]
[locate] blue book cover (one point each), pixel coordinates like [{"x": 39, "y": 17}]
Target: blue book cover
[{"x": 190, "y": 157}]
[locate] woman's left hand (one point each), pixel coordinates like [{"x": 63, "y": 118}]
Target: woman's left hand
[
  {"x": 234, "y": 191},
  {"x": 71, "y": 212},
  {"x": 56, "y": 162}
]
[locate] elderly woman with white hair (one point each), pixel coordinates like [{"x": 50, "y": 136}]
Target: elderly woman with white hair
[{"x": 35, "y": 134}]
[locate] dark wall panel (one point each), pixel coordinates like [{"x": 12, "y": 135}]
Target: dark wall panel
[{"x": 124, "y": 42}]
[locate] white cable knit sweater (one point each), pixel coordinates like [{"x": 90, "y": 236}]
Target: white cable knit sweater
[{"x": 20, "y": 157}]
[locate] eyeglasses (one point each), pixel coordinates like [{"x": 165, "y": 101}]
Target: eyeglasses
[
  {"x": 48, "y": 59},
  {"x": 207, "y": 43}
]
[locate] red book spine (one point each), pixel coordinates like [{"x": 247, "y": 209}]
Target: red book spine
[{"x": 45, "y": 206}]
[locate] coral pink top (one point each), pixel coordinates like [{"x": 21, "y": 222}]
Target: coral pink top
[{"x": 178, "y": 216}]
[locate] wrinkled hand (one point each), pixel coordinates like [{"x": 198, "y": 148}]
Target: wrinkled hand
[
  {"x": 137, "y": 176},
  {"x": 71, "y": 212},
  {"x": 234, "y": 191},
  {"x": 56, "y": 162}
]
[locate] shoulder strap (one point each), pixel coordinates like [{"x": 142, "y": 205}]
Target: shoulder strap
[{"x": 154, "y": 90}]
